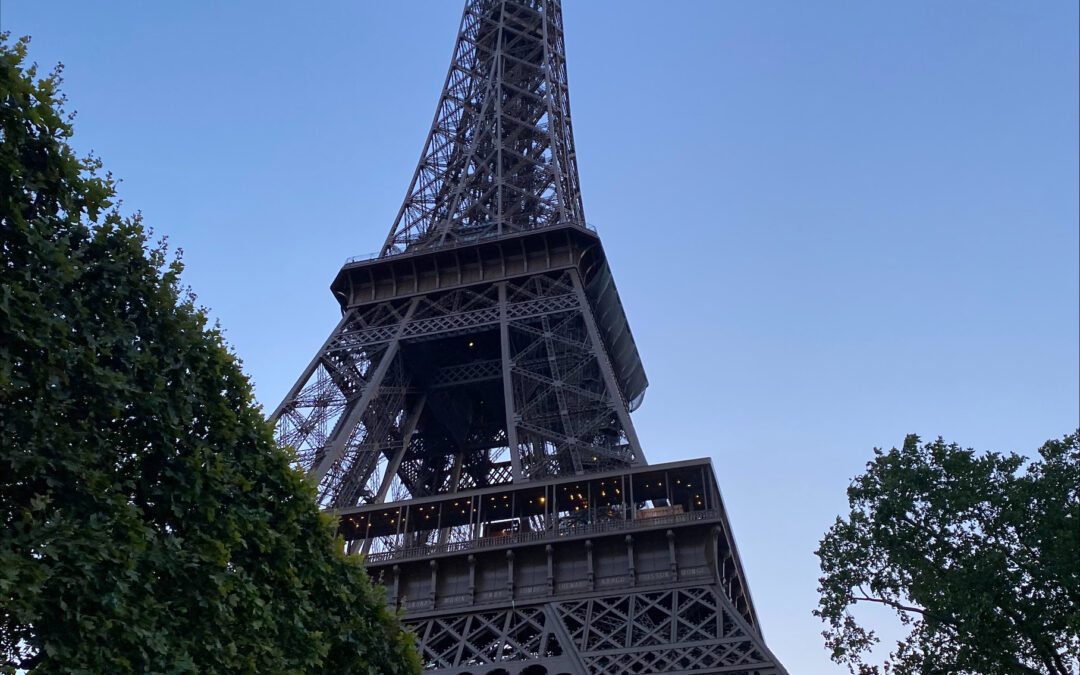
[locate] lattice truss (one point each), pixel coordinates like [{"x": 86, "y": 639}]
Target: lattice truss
[
  {"x": 500, "y": 154},
  {"x": 485, "y": 638},
  {"x": 569, "y": 416},
  {"x": 355, "y": 416},
  {"x": 344, "y": 413},
  {"x": 684, "y": 630}
]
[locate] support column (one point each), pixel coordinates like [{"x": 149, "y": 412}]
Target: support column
[
  {"x": 508, "y": 387},
  {"x": 455, "y": 478},
  {"x": 395, "y": 462}
]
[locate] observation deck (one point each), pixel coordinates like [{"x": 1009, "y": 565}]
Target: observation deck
[{"x": 659, "y": 525}]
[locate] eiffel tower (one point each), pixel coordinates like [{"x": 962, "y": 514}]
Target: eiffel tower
[{"x": 468, "y": 420}]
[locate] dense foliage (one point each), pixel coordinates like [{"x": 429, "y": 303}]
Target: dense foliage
[
  {"x": 148, "y": 522},
  {"x": 978, "y": 554}
]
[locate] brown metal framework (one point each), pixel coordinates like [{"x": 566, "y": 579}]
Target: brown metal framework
[
  {"x": 468, "y": 420},
  {"x": 500, "y": 154}
]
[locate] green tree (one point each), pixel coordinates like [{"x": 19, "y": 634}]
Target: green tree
[
  {"x": 148, "y": 522},
  {"x": 978, "y": 554}
]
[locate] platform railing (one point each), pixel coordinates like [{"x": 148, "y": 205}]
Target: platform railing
[
  {"x": 364, "y": 257},
  {"x": 580, "y": 529}
]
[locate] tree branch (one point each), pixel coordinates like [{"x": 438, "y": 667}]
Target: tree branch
[
  {"x": 905, "y": 608},
  {"x": 1059, "y": 663},
  {"x": 951, "y": 622}
]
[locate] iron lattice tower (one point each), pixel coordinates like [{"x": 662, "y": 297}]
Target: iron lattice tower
[{"x": 468, "y": 420}]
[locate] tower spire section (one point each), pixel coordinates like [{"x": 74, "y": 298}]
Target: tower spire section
[
  {"x": 486, "y": 343},
  {"x": 468, "y": 424},
  {"x": 499, "y": 158}
]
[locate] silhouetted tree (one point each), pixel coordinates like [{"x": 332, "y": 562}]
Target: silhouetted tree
[
  {"x": 979, "y": 555},
  {"x": 148, "y": 522}
]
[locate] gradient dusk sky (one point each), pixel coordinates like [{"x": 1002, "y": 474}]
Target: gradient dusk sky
[{"x": 831, "y": 223}]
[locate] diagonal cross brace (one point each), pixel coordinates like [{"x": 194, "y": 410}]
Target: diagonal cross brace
[{"x": 336, "y": 446}]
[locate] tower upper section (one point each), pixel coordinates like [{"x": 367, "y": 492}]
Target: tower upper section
[{"x": 499, "y": 158}]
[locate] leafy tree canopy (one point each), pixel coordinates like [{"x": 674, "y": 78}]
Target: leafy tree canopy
[
  {"x": 978, "y": 554},
  {"x": 148, "y": 522}
]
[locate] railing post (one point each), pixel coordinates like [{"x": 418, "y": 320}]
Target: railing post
[
  {"x": 591, "y": 576},
  {"x": 397, "y": 585},
  {"x": 472, "y": 579},
  {"x": 671, "y": 552},
  {"x": 510, "y": 572},
  {"x": 434, "y": 581},
  {"x": 549, "y": 549}
]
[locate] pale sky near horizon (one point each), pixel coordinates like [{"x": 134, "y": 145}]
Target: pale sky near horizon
[{"x": 831, "y": 224}]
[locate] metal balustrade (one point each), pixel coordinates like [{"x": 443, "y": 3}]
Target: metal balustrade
[
  {"x": 581, "y": 529},
  {"x": 490, "y": 236}
]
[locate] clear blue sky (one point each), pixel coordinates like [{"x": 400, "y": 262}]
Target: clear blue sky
[{"x": 831, "y": 224}]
